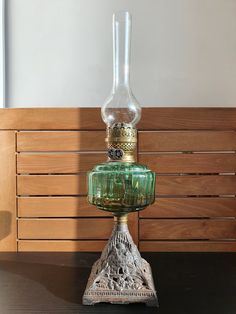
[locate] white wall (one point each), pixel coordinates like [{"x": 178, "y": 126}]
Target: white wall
[
  {"x": 2, "y": 54},
  {"x": 59, "y": 52}
]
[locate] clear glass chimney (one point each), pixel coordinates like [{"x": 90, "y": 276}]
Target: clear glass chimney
[{"x": 121, "y": 107}]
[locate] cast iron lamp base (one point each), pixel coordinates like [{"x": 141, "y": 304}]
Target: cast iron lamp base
[{"x": 121, "y": 275}]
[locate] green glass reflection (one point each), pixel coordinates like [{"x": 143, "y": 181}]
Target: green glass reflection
[{"x": 121, "y": 187}]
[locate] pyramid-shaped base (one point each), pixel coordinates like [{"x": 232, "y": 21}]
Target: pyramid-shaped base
[{"x": 121, "y": 275}]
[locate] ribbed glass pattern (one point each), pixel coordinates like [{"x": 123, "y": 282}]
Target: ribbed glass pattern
[{"x": 121, "y": 187}]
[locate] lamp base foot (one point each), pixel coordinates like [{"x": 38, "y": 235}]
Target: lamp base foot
[{"x": 121, "y": 275}]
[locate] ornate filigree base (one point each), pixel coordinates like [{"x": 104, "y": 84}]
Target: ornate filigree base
[{"x": 121, "y": 275}]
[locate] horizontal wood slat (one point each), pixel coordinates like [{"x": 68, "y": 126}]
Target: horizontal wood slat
[
  {"x": 60, "y": 141},
  {"x": 187, "y": 246},
  {"x": 186, "y": 229},
  {"x": 52, "y": 185},
  {"x": 61, "y": 245},
  {"x": 44, "y": 141},
  {"x": 196, "y": 185},
  {"x": 57, "y": 207},
  {"x": 165, "y": 185},
  {"x": 63, "y": 228},
  {"x": 58, "y": 163},
  {"x": 73, "y": 162},
  {"x": 188, "y": 119},
  {"x": 190, "y": 163},
  {"x": 191, "y": 207},
  {"x": 51, "y": 119},
  {"x": 177, "y": 141},
  {"x": 90, "y": 118}
]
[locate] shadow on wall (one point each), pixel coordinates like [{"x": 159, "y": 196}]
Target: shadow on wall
[{"x": 5, "y": 224}]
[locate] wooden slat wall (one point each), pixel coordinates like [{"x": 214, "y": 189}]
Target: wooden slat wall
[
  {"x": 53, "y": 212},
  {"x": 192, "y": 150},
  {"x": 64, "y": 228},
  {"x": 8, "y": 228},
  {"x": 49, "y": 141},
  {"x": 196, "y": 186},
  {"x": 61, "y": 206},
  {"x": 90, "y": 119}
]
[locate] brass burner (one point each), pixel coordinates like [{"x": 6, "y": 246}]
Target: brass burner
[{"x": 121, "y": 142}]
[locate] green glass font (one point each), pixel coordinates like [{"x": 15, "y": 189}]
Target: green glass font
[{"x": 121, "y": 187}]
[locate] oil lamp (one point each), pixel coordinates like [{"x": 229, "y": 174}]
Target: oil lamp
[{"x": 121, "y": 186}]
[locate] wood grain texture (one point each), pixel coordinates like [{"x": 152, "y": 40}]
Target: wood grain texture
[
  {"x": 49, "y": 207},
  {"x": 57, "y": 207},
  {"x": 7, "y": 191},
  {"x": 56, "y": 143},
  {"x": 51, "y": 185},
  {"x": 188, "y": 119},
  {"x": 58, "y": 162},
  {"x": 61, "y": 245},
  {"x": 51, "y": 119},
  {"x": 91, "y": 228},
  {"x": 90, "y": 119},
  {"x": 177, "y": 141},
  {"x": 196, "y": 185},
  {"x": 133, "y": 224},
  {"x": 60, "y": 141},
  {"x": 187, "y": 246},
  {"x": 190, "y": 207},
  {"x": 165, "y": 185},
  {"x": 190, "y": 163},
  {"x": 186, "y": 229}
]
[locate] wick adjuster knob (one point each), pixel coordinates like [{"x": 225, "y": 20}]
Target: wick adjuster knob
[{"x": 115, "y": 154}]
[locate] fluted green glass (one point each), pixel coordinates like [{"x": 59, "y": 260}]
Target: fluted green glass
[{"x": 121, "y": 187}]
